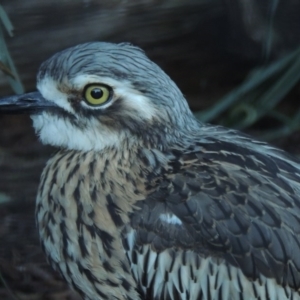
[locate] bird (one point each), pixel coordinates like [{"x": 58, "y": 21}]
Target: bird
[{"x": 143, "y": 201}]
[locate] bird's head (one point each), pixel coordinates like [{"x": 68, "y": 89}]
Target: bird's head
[{"x": 94, "y": 95}]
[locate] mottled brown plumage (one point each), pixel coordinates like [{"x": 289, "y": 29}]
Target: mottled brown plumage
[
  {"x": 143, "y": 202},
  {"x": 81, "y": 210}
]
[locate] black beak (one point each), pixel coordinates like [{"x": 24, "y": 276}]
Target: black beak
[{"x": 31, "y": 103}]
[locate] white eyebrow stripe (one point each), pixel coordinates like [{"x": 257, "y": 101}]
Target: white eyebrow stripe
[{"x": 134, "y": 99}]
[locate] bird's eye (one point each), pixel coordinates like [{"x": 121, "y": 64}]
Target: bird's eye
[{"x": 96, "y": 94}]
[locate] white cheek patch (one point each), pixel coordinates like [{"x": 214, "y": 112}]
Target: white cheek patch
[
  {"x": 59, "y": 132},
  {"x": 48, "y": 88}
]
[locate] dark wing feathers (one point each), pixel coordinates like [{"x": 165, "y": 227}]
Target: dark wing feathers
[{"x": 234, "y": 203}]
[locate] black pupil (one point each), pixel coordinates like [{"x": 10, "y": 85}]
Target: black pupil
[{"x": 96, "y": 93}]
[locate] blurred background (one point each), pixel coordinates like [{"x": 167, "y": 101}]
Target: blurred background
[{"x": 237, "y": 63}]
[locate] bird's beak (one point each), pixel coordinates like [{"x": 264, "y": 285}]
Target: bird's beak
[{"x": 31, "y": 103}]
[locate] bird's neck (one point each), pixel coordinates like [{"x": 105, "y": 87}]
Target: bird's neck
[{"x": 100, "y": 177}]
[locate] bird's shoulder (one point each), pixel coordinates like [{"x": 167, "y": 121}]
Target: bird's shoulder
[{"x": 230, "y": 197}]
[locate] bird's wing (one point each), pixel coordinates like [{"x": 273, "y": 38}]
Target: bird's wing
[{"x": 229, "y": 202}]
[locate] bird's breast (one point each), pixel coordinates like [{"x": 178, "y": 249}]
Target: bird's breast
[{"x": 82, "y": 206}]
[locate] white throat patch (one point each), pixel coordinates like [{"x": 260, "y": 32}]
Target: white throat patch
[{"x": 56, "y": 131}]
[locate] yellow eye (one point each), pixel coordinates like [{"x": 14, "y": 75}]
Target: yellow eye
[{"x": 96, "y": 94}]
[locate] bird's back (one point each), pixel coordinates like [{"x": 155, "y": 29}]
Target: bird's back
[{"x": 225, "y": 220}]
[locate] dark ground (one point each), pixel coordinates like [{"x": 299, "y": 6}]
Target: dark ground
[{"x": 204, "y": 61}]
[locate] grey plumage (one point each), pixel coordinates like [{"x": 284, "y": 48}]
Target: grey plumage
[
  {"x": 124, "y": 63},
  {"x": 144, "y": 202}
]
